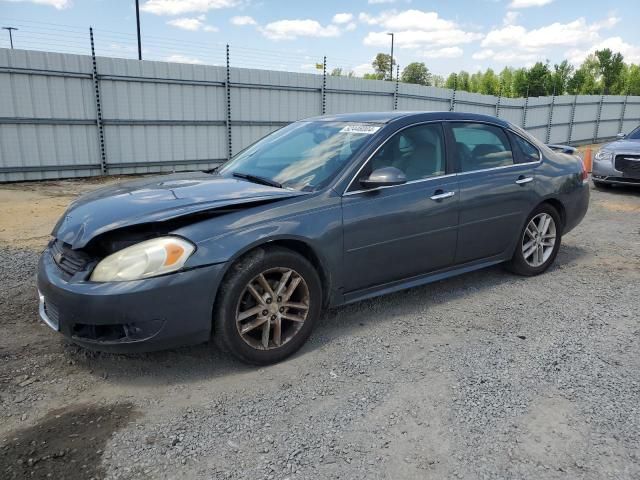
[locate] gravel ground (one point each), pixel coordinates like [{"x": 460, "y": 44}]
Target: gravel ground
[{"x": 487, "y": 375}]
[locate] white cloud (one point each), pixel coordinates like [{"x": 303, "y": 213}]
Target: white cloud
[
  {"x": 510, "y": 18},
  {"x": 340, "y": 18},
  {"x": 446, "y": 52},
  {"x": 191, "y": 24},
  {"x": 528, "y": 3},
  {"x": 378, "y": 2},
  {"x": 210, "y": 28},
  {"x": 292, "y": 29},
  {"x": 630, "y": 52},
  {"x": 577, "y": 32},
  {"x": 57, "y": 4},
  {"x": 243, "y": 20},
  {"x": 508, "y": 56},
  {"x": 415, "y": 29},
  {"x": 351, "y": 26},
  {"x": 183, "y": 59},
  {"x": 180, "y": 7},
  {"x": 360, "y": 70}
]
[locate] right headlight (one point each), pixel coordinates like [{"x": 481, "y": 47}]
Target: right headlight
[
  {"x": 605, "y": 155},
  {"x": 143, "y": 260}
]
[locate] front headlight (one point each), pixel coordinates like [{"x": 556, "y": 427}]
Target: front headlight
[
  {"x": 604, "y": 155},
  {"x": 145, "y": 259}
]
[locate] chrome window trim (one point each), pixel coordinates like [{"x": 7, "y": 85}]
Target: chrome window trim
[{"x": 346, "y": 191}]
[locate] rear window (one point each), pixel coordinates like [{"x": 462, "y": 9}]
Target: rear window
[{"x": 528, "y": 152}]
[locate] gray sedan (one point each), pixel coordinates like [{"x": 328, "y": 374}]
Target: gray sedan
[
  {"x": 618, "y": 163},
  {"x": 323, "y": 212}
]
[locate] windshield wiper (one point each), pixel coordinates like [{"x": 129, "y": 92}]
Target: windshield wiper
[
  {"x": 257, "y": 179},
  {"x": 212, "y": 170}
]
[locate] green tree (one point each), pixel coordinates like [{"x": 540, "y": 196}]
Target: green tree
[
  {"x": 452, "y": 81},
  {"x": 438, "y": 81},
  {"x": 585, "y": 79},
  {"x": 560, "y": 77},
  {"x": 336, "y": 72},
  {"x": 464, "y": 81},
  {"x": 416, "y": 72},
  {"x": 520, "y": 83},
  {"x": 610, "y": 68},
  {"x": 632, "y": 80},
  {"x": 475, "y": 82},
  {"x": 489, "y": 83},
  {"x": 506, "y": 81},
  {"x": 539, "y": 80},
  {"x": 381, "y": 65}
]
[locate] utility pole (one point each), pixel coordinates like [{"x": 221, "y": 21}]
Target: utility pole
[
  {"x": 9, "y": 29},
  {"x": 391, "y": 61},
  {"x": 138, "y": 22}
]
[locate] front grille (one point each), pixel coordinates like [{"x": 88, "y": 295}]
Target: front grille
[
  {"x": 70, "y": 261},
  {"x": 52, "y": 312},
  {"x": 628, "y": 164}
]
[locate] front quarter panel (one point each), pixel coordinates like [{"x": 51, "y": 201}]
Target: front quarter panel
[{"x": 314, "y": 219}]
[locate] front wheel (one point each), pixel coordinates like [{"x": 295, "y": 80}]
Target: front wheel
[
  {"x": 539, "y": 242},
  {"x": 267, "y": 306}
]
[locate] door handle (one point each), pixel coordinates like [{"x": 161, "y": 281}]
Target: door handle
[
  {"x": 522, "y": 180},
  {"x": 440, "y": 196}
]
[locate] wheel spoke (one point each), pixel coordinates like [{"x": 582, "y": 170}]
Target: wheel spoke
[
  {"x": 283, "y": 282},
  {"x": 529, "y": 252},
  {"x": 277, "y": 331},
  {"x": 265, "y": 285},
  {"x": 249, "y": 313},
  {"x": 247, "y": 327},
  {"x": 254, "y": 293},
  {"x": 292, "y": 288},
  {"x": 292, "y": 317},
  {"x": 547, "y": 244},
  {"x": 528, "y": 245},
  {"x": 296, "y": 305},
  {"x": 545, "y": 225},
  {"x": 540, "y": 254},
  {"x": 530, "y": 232},
  {"x": 266, "y": 329}
]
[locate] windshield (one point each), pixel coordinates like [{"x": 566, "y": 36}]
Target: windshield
[
  {"x": 303, "y": 155},
  {"x": 635, "y": 135}
]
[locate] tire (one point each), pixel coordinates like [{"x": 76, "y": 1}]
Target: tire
[
  {"x": 235, "y": 299},
  {"x": 601, "y": 185},
  {"x": 529, "y": 266}
]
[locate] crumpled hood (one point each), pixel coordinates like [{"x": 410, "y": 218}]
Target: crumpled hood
[
  {"x": 156, "y": 199},
  {"x": 625, "y": 145}
]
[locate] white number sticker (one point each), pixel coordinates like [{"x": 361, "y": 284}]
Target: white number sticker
[{"x": 359, "y": 128}]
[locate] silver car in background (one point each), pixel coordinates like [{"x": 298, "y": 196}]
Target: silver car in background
[{"x": 618, "y": 163}]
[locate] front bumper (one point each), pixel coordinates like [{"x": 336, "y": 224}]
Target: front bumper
[
  {"x": 604, "y": 171},
  {"x": 137, "y": 316}
]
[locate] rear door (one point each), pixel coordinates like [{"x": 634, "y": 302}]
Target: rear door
[
  {"x": 496, "y": 189},
  {"x": 397, "y": 232}
]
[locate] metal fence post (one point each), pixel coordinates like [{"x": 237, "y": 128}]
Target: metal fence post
[
  {"x": 323, "y": 100},
  {"x": 553, "y": 101},
  {"x": 623, "y": 112},
  {"x": 524, "y": 113},
  {"x": 227, "y": 86},
  {"x": 498, "y": 101},
  {"x": 102, "y": 151},
  {"x": 452, "y": 103},
  {"x": 572, "y": 117},
  {"x": 395, "y": 92},
  {"x": 597, "y": 128}
]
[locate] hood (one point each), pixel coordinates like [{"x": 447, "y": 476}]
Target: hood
[
  {"x": 629, "y": 145},
  {"x": 156, "y": 199}
]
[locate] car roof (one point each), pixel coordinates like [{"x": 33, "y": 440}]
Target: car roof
[{"x": 388, "y": 117}]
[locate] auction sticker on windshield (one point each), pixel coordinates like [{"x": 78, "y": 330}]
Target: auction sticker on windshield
[{"x": 361, "y": 128}]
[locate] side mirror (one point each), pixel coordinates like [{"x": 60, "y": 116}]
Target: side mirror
[
  {"x": 384, "y": 177},
  {"x": 620, "y": 136}
]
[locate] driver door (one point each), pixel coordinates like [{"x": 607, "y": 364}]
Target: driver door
[{"x": 393, "y": 233}]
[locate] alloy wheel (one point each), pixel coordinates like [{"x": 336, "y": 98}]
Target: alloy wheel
[
  {"x": 539, "y": 239},
  {"x": 272, "y": 308}
]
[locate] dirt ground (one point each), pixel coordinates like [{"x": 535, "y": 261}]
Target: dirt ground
[{"x": 486, "y": 375}]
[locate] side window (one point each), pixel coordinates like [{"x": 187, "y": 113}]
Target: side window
[
  {"x": 481, "y": 146},
  {"x": 417, "y": 151},
  {"x": 528, "y": 153}
]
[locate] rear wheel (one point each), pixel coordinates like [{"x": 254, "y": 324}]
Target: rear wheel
[
  {"x": 267, "y": 306},
  {"x": 539, "y": 242}
]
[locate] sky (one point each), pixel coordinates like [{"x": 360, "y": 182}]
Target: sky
[{"x": 295, "y": 35}]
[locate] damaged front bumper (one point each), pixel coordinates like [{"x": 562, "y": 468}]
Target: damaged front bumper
[{"x": 136, "y": 316}]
